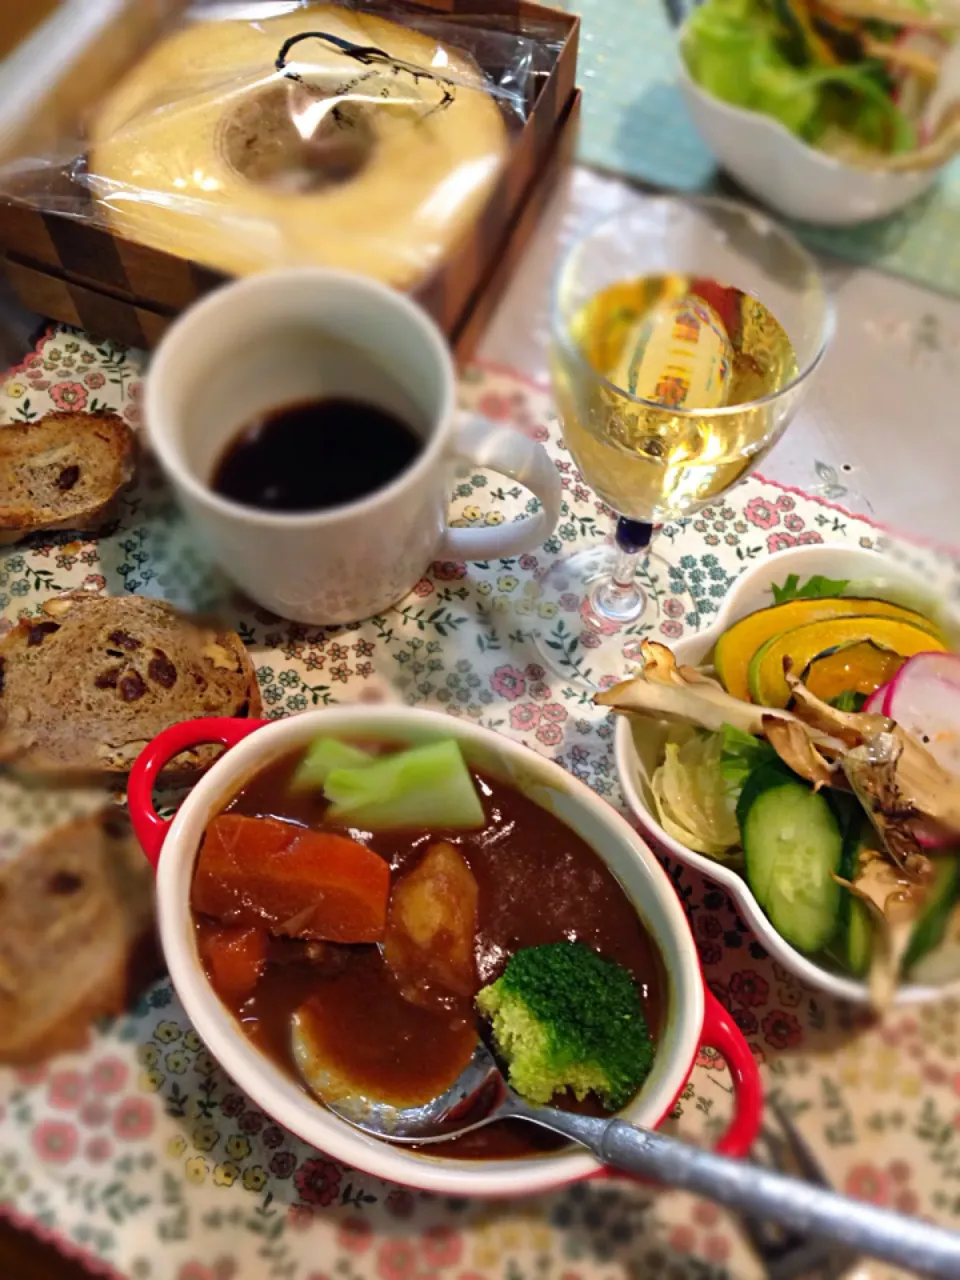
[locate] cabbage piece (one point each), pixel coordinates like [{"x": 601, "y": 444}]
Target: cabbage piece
[
  {"x": 694, "y": 801},
  {"x": 323, "y": 756},
  {"x": 423, "y": 787}
]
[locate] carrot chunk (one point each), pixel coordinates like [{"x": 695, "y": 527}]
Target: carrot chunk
[
  {"x": 233, "y": 956},
  {"x": 303, "y": 884}
]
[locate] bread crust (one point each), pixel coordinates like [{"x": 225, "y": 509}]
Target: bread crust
[
  {"x": 66, "y": 471},
  {"x": 88, "y": 683},
  {"x": 77, "y": 935}
]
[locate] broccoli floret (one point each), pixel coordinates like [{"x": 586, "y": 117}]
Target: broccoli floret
[{"x": 566, "y": 1018}]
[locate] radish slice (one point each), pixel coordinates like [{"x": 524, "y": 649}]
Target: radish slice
[
  {"x": 876, "y": 704},
  {"x": 888, "y": 697},
  {"x": 924, "y": 699}
]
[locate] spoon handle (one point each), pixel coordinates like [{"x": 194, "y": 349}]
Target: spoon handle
[{"x": 757, "y": 1192}]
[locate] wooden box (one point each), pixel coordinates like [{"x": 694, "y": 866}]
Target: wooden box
[{"x": 82, "y": 274}]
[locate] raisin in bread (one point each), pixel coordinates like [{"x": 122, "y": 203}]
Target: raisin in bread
[
  {"x": 64, "y": 471},
  {"x": 85, "y": 686},
  {"x": 76, "y": 934}
]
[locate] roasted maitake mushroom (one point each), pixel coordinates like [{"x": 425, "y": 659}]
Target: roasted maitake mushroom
[{"x": 910, "y": 799}]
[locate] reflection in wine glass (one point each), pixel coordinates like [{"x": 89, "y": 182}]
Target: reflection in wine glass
[{"x": 684, "y": 334}]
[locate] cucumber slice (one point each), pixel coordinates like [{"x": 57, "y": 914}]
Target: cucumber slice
[
  {"x": 766, "y": 778},
  {"x": 762, "y": 778},
  {"x": 858, "y": 939},
  {"x": 322, "y": 757},
  {"x": 942, "y": 896},
  {"x": 855, "y": 947},
  {"x": 793, "y": 845}
]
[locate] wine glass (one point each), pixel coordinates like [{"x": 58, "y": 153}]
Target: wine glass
[{"x": 684, "y": 336}]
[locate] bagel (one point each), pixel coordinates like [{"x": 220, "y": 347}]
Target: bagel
[{"x": 207, "y": 151}]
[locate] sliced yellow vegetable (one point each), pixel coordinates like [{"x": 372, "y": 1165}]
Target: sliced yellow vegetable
[
  {"x": 852, "y": 668},
  {"x": 768, "y": 685},
  {"x": 738, "y": 645}
]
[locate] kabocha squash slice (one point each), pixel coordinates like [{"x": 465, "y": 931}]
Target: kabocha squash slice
[
  {"x": 740, "y": 643},
  {"x": 861, "y": 667},
  {"x": 768, "y": 683}
]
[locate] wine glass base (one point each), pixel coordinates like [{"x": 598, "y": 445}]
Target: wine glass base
[{"x": 580, "y": 636}]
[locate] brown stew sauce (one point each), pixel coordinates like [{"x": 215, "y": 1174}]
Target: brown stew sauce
[{"x": 538, "y": 882}]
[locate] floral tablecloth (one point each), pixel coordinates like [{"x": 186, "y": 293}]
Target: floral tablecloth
[{"x": 139, "y": 1156}]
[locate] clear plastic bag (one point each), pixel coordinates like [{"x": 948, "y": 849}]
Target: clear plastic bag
[{"x": 358, "y": 135}]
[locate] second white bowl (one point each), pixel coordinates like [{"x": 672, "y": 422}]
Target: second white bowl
[
  {"x": 638, "y": 745},
  {"x": 791, "y": 177}
]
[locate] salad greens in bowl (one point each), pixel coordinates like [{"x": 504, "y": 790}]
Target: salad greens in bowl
[
  {"x": 805, "y": 754},
  {"x": 834, "y": 111},
  {"x": 821, "y": 74}
]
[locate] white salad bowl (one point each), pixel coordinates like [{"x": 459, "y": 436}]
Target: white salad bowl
[
  {"x": 790, "y": 176},
  {"x": 638, "y": 743},
  {"x": 691, "y": 1015}
]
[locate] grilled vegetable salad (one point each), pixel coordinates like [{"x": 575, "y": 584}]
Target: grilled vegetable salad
[
  {"x": 819, "y": 755},
  {"x": 849, "y": 78}
]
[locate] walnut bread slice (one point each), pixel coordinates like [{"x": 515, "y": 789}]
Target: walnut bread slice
[
  {"x": 86, "y": 685},
  {"x": 76, "y": 934},
  {"x": 64, "y": 471}
]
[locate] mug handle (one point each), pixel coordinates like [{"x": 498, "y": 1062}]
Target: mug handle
[
  {"x": 151, "y": 830},
  {"x": 509, "y": 451}
]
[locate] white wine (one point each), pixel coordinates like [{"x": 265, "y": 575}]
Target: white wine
[{"x": 708, "y": 360}]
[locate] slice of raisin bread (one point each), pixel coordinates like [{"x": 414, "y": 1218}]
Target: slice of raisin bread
[
  {"x": 76, "y": 934},
  {"x": 64, "y": 471},
  {"x": 85, "y": 686}
]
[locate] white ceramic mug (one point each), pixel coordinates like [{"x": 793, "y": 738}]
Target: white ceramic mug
[{"x": 297, "y": 334}]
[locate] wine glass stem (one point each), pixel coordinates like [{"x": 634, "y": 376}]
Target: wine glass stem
[{"x": 620, "y": 598}]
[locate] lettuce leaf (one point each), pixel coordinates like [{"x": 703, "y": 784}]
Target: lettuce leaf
[
  {"x": 854, "y": 101},
  {"x": 741, "y": 753},
  {"x": 816, "y": 588},
  {"x": 731, "y": 51},
  {"x": 849, "y": 700},
  {"x": 743, "y": 52}
]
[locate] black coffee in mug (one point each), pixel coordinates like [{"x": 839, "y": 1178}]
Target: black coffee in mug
[{"x": 314, "y": 454}]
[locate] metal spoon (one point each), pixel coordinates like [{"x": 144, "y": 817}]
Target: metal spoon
[{"x": 481, "y": 1096}]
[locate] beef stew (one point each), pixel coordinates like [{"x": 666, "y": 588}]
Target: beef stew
[{"x": 394, "y": 1016}]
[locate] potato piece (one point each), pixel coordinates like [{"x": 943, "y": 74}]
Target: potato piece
[{"x": 431, "y": 927}]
